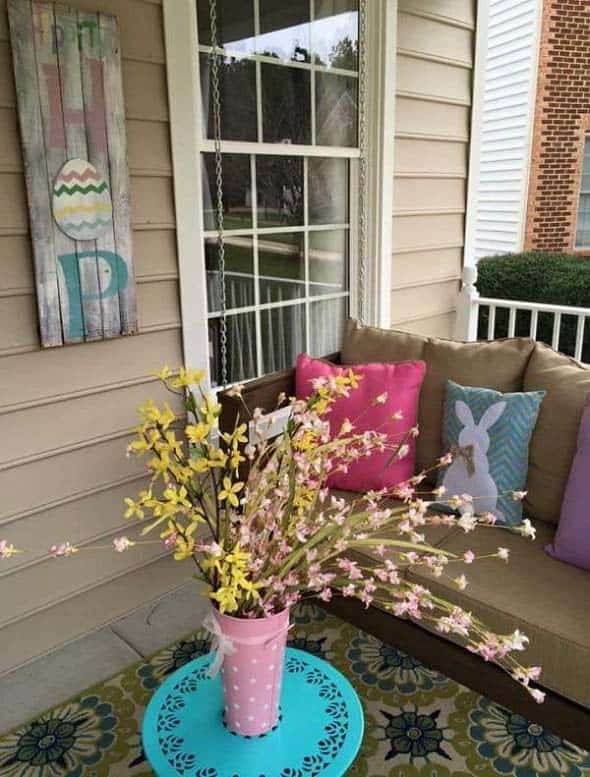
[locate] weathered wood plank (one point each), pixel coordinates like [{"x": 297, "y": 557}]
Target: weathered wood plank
[
  {"x": 55, "y": 147},
  {"x": 119, "y": 174},
  {"x": 41, "y": 222},
  {"x": 94, "y": 112},
  {"x": 72, "y": 106}
]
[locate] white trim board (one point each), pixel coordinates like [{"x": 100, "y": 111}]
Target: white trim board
[
  {"x": 381, "y": 67},
  {"x": 180, "y": 24}
]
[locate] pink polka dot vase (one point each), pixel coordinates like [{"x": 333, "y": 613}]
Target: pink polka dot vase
[{"x": 252, "y": 671}]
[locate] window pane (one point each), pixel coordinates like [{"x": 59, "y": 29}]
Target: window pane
[
  {"x": 279, "y": 186},
  {"x": 283, "y": 336},
  {"x": 281, "y": 262},
  {"x": 237, "y": 87},
  {"x": 286, "y": 104},
  {"x": 237, "y": 197},
  {"x": 583, "y": 230},
  {"x": 239, "y": 272},
  {"x": 336, "y": 110},
  {"x": 328, "y": 262},
  {"x": 585, "y": 188},
  {"x": 326, "y": 326},
  {"x": 241, "y": 348},
  {"x": 328, "y": 191},
  {"x": 335, "y": 33},
  {"x": 284, "y": 30},
  {"x": 235, "y": 24},
  {"x": 583, "y": 226}
]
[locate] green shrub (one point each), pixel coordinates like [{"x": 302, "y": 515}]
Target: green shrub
[{"x": 536, "y": 276}]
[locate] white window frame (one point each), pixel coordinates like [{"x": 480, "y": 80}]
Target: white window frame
[{"x": 182, "y": 63}]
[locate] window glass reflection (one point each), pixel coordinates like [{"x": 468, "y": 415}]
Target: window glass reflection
[
  {"x": 241, "y": 348},
  {"x": 328, "y": 191},
  {"x": 281, "y": 263},
  {"x": 335, "y": 33},
  {"x": 286, "y": 104},
  {"x": 284, "y": 30},
  {"x": 328, "y": 261},
  {"x": 586, "y": 167},
  {"x": 583, "y": 230},
  {"x": 583, "y": 226},
  {"x": 239, "y": 272},
  {"x": 237, "y": 193},
  {"x": 237, "y": 88},
  {"x": 336, "y": 109},
  {"x": 326, "y": 326},
  {"x": 279, "y": 185},
  {"x": 235, "y": 24},
  {"x": 283, "y": 336}
]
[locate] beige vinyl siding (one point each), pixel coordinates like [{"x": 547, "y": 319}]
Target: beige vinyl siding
[
  {"x": 66, "y": 414},
  {"x": 432, "y": 116}
]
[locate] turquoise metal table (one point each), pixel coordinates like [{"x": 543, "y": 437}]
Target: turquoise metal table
[{"x": 318, "y": 735}]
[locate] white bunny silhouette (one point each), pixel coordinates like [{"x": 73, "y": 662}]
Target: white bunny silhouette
[{"x": 470, "y": 471}]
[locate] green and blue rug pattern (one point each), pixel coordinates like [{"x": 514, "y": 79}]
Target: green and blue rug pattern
[{"x": 418, "y": 722}]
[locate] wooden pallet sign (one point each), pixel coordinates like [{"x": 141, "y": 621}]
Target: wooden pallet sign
[{"x": 67, "y": 68}]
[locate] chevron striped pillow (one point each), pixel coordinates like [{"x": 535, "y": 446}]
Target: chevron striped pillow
[{"x": 490, "y": 433}]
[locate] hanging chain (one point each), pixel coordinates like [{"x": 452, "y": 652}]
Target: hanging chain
[
  {"x": 214, "y": 59},
  {"x": 363, "y": 146}
]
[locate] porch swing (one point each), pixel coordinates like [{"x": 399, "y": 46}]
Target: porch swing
[
  {"x": 490, "y": 365},
  {"x": 218, "y": 199}
]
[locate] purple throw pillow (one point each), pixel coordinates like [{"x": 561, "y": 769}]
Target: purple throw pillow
[{"x": 572, "y": 539}]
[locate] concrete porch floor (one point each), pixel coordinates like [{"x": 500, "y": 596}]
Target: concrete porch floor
[{"x": 55, "y": 677}]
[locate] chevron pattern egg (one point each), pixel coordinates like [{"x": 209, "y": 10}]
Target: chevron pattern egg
[{"x": 82, "y": 206}]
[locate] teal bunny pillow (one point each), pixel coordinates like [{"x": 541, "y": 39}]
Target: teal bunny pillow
[{"x": 490, "y": 434}]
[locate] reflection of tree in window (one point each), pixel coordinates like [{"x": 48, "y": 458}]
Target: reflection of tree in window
[
  {"x": 335, "y": 33},
  {"x": 279, "y": 183},
  {"x": 345, "y": 54},
  {"x": 237, "y": 86},
  {"x": 286, "y": 109},
  {"x": 237, "y": 199}
]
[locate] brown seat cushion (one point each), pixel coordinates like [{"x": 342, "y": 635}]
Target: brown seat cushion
[
  {"x": 546, "y": 599},
  {"x": 553, "y": 444},
  {"x": 498, "y": 365}
]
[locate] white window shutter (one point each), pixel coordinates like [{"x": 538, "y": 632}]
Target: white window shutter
[{"x": 502, "y": 125}]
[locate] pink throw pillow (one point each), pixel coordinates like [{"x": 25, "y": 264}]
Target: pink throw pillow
[{"x": 401, "y": 383}]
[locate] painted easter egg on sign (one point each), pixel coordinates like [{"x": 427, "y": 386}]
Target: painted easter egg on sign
[{"x": 82, "y": 205}]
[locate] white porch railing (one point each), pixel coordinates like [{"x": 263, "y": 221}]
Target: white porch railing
[{"x": 471, "y": 309}]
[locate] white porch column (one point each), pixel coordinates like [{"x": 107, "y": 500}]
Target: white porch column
[{"x": 467, "y": 306}]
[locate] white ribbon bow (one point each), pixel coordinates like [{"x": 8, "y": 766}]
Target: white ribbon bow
[{"x": 221, "y": 645}]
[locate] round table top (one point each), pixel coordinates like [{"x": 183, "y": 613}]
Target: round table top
[{"x": 319, "y": 732}]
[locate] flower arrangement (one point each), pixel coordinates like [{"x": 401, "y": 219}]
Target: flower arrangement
[{"x": 263, "y": 531}]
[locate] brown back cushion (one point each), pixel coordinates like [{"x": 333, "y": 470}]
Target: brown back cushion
[
  {"x": 364, "y": 344},
  {"x": 498, "y": 365},
  {"x": 553, "y": 444}
]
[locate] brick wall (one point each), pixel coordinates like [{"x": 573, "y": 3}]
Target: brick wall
[{"x": 562, "y": 118}]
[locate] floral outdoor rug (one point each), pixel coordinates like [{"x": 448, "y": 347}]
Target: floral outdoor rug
[{"x": 418, "y": 723}]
